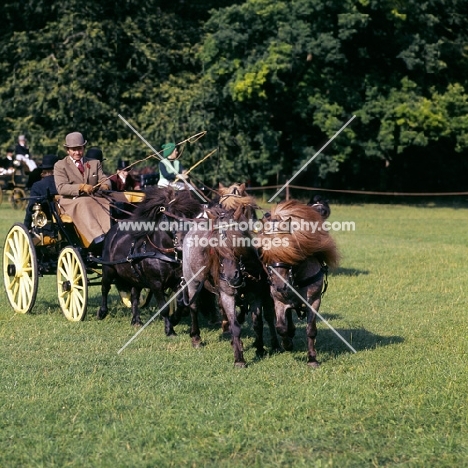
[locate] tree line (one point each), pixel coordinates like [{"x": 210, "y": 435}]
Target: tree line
[{"x": 270, "y": 81}]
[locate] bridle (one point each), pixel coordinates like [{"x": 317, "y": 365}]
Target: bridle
[
  {"x": 303, "y": 282},
  {"x": 240, "y": 270}
]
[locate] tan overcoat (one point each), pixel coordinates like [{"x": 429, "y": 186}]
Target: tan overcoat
[{"x": 90, "y": 214}]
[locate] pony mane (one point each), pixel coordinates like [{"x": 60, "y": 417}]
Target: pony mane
[
  {"x": 224, "y": 241},
  {"x": 180, "y": 203},
  {"x": 300, "y": 242},
  {"x": 236, "y": 198}
]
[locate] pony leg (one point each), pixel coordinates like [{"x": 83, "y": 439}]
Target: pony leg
[
  {"x": 135, "y": 299},
  {"x": 243, "y": 309},
  {"x": 180, "y": 310},
  {"x": 312, "y": 334},
  {"x": 228, "y": 304},
  {"x": 269, "y": 314},
  {"x": 168, "y": 327},
  {"x": 107, "y": 277},
  {"x": 224, "y": 322},
  {"x": 194, "y": 325},
  {"x": 257, "y": 323},
  {"x": 283, "y": 320}
]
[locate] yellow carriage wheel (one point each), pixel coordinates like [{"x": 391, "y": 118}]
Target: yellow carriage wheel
[
  {"x": 20, "y": 273},
  {"x": 18, "y": 199},
  {"x": 72, "y": 284}
]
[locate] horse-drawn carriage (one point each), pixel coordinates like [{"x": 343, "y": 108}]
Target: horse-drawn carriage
[
  {"x": 52, "y": 246},
  {"x": 256, "y": 275},
  {"x": 13, "y": 184}
]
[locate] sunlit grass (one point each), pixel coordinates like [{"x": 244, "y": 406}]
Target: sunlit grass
[{"x": 399, "y": 297}]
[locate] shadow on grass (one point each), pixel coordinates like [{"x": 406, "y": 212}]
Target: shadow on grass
[
  {"x": 348, "y": 272},
  {"x": 359, "y": 338},
  {"x": 329, "y": 345}
]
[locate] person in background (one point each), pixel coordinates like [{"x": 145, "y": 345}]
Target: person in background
[
  {"x": 8, "y": 163},
  {"x": 321, "y": 205},
  {"x": 78, "y": 181},
  {"x": 171, "y": 171},
  {"x": 123, "y": 180},
  {"x": 22, "y": 146},
  {"x": 95, "y": 153},
  {"x": 42, "y": 189},
  {"x": 22, "y": 154}
]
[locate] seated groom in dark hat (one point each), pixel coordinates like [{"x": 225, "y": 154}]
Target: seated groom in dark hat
[
  {"x": 43, "y": 189},
  {"x": 79, "y": 180},
  {"x": 95, "y": 153},
  {"x": 123, "y": 180}
]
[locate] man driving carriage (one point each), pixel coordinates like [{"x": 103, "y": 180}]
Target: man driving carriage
[{"x": 79, "y": 181}]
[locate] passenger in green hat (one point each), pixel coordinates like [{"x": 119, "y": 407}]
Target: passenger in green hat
[
  {"x": 168, "y": 149},
  {"x": 171, "y": 171}
]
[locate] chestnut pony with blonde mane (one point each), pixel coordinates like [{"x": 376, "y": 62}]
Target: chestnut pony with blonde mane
[
  {"x": 297, "y": 252},
  {"x": 235, "y": 198}
]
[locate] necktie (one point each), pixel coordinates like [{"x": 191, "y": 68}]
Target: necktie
[{"x": 80, "y": 167}]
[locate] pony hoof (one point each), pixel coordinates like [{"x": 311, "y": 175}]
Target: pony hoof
[
  {"x": 101, "y": 315},
  {"x": 314, "y": 364},
  {"x": 288, "y": 345},
  {"x": 260, "y": 352},
  {"x": 240, "y": 364},
  {"x": 196, "y": 343},
  {"x": 137, "y": 324}
]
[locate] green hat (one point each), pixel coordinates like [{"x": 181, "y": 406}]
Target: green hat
[{"x": 168, "y": 148}]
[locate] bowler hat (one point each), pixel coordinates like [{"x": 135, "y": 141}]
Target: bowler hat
[
  {"x": 95, "y": 153},
  {"x": 48, "y": 161},
  {"x": 72, "y": 140},
  {"x": 168, "y": 149},
  {"x": 122, "y": 164}
]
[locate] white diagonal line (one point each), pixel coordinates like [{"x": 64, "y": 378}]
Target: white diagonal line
[
  {"x": 311, "y": 159},
  {"x": 159, "y": 311},
  {"x": 313, "y": 310},
  {"x": 140, "y": 136}
]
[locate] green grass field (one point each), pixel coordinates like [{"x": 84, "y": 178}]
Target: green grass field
[{"x": 400, "y": 298}]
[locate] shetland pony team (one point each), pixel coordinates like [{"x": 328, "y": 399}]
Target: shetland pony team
[{"x": 271, "y": 272}]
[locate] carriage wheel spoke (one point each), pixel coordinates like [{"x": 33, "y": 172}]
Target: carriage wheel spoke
[
  {"x": 20, "y": 269},
  {"x": 72, "y": 284}
]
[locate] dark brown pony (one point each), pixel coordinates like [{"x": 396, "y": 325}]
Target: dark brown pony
[
  {"x": 144, "y": 251},
  {"x": 231, "y": 269},
  {"x": 297, "y": 252}
]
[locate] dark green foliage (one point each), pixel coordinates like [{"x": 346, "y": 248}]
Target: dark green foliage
[{"x": 270, "y": 81}]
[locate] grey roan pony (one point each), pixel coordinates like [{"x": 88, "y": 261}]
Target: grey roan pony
[
  {"x": 232, "y": 270},
  {"x": 148, "y": 258}
]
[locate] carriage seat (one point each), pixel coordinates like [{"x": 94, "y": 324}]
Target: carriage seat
[
  {"x": 67, "y": 219},
  {"x": 134, "y": 197}
]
